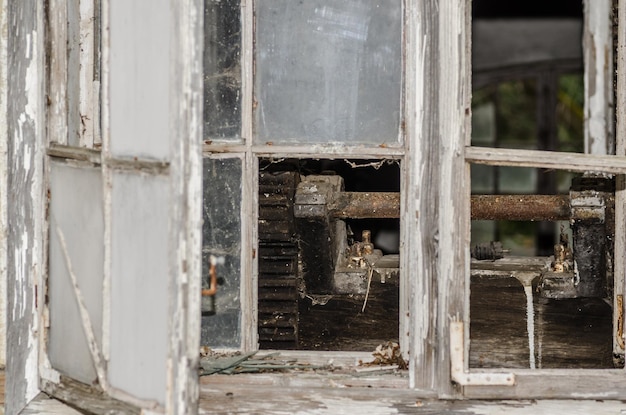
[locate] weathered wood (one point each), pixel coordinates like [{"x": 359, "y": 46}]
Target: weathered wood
[
  {"x": 71, "y": 86},
  {"x": 339, "y": 322},
  {"x": 250, "y": 195},
  {"x": 58, "y": 71},
  {"x": 332, "y": 151},
  {"x": 546, "y": 159},
  {"x": 418, "y": 328},
  {"x": 453, "y": 118},
  {"x": 88, "y": 86},
  {"x": 368, "y": 397},
  {"x": 86, "y": 397},
  {"x": 557, "y": 384},
  {"x": 25, "y": 253},
  {"x": 74, "y": 153},
  {"x": 599, "y": 87},
  {"x": 570, "y": 333},
  {"x": 4, "y": 199},
  {"x": 44, "y": 404},
  {"x": 185, "y": 212},
  {"x": 620, "y": 181}
]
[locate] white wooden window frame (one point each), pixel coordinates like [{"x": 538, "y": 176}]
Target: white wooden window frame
[
  {"x": 252, "y": 152},
  {"x": 54, "y": 113},
  {"x": 434, "y": 205},
  {"x": 556, "y": 383}
]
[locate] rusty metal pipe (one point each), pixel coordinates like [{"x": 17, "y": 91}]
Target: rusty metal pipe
[
  {"x": 521, "y": 207},
  {"x": 212, "y": 290},
  {"x": 374, "y": 205},
  {"x": 365, "y": 205}
]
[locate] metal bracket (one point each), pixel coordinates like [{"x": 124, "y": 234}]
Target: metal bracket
[{"x": 457, "y": 361}]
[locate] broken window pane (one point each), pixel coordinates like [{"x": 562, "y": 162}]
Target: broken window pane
[
  {"x": 541, "y": 280},
  {"x": 328, "y": 71},
  {"x": 328, "y": 259},
  {"x": 222, "y": 70},
  {"x": 221, "y": 240}
]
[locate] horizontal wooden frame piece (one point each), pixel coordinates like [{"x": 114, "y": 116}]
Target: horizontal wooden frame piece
[
  {"x": 317, "y": 150},
  {"x": 610, "y": 164},
  {"x": 75, "y": 153},
  {"x": 555, "y": 384}
]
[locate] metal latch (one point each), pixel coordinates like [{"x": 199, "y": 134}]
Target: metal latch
[{"x": 457, "y": 360}]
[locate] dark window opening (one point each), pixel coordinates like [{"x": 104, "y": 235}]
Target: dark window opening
[{"x": 328, "y": 281}]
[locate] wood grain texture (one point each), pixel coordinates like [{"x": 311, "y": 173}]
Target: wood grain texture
[
  {"x": 90, "y": 398},
  {"x": 243, "y": 398},
  {"x": 185, "y": 214},
  {"x": 547, "y": 160},
  {"x": 620, "y": 181},
  {"x": 25, "y": 259}
]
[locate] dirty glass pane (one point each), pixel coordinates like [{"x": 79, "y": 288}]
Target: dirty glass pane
[
  {"x": 328, "y": 71},
  {"x": 140, "y": 284},
  {"x": 76, "y": 231},
  {"x": 222, "y": 70},
  {"x": 221, "y": 238}
]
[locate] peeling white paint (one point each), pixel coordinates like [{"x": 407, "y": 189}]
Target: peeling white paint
[
  {"x": 598, "y": 53},
  {"x": 548, "y": 407},
  {"x": 32, "y": 79},
  {"x": 606, "y": 395},
  {"x": 4, "y": 129},
  {"x": 347, "y": 406}
]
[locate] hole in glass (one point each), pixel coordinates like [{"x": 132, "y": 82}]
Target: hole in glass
[{"x": 328, "y": 254}]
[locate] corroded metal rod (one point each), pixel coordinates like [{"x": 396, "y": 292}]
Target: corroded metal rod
[
  {"x": 365, "y": 205},
  {"x": 368, "y": 205},
  {"x": 520, "y": 207}
]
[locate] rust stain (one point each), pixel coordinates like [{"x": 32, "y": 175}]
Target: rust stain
[
  {"x": 620, "y": 321},
  {"x": 520, "y": 207}
]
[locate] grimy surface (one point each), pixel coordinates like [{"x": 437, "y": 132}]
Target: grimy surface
[
  {"x": 566, "y": 333},
  {"x": 258, "y": 399}
]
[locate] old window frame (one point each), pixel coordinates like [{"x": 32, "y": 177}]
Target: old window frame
[
  {"x": 40, "y": 36},
  {"x": 251, "y": 152},
  {"x": 554, "y": 383}
]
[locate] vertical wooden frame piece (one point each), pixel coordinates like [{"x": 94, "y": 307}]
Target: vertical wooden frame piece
[
  {"x": 249, "y": 252},
  {"x": 183, "y": 175},
  {"x": 249, "y": 208},
  {"x": 57, "y": 30},
  {"x": 454, "y": 112},
  {"x": 620, "y": 185},
  {"x": 598, "y": 61},
  {"x": 437, "y": 204},
  {"x": 3, "y": 180},
  {"x": 185, "y": 214},
  {"x": 25, "y": 123},
  {"x": 73, "y": 72},
  {"x": 415, "y": 229},
  {"x": 88, "y": 88}
]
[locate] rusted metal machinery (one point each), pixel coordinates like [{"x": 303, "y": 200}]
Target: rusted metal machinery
[
  {"x": 585, "y": 269},
  {"x": 321, "y": 206},
  {"x": 278, "y": 262},
  {"x": 306, "y": 247},
  {"x": 336, "y": 266}
]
